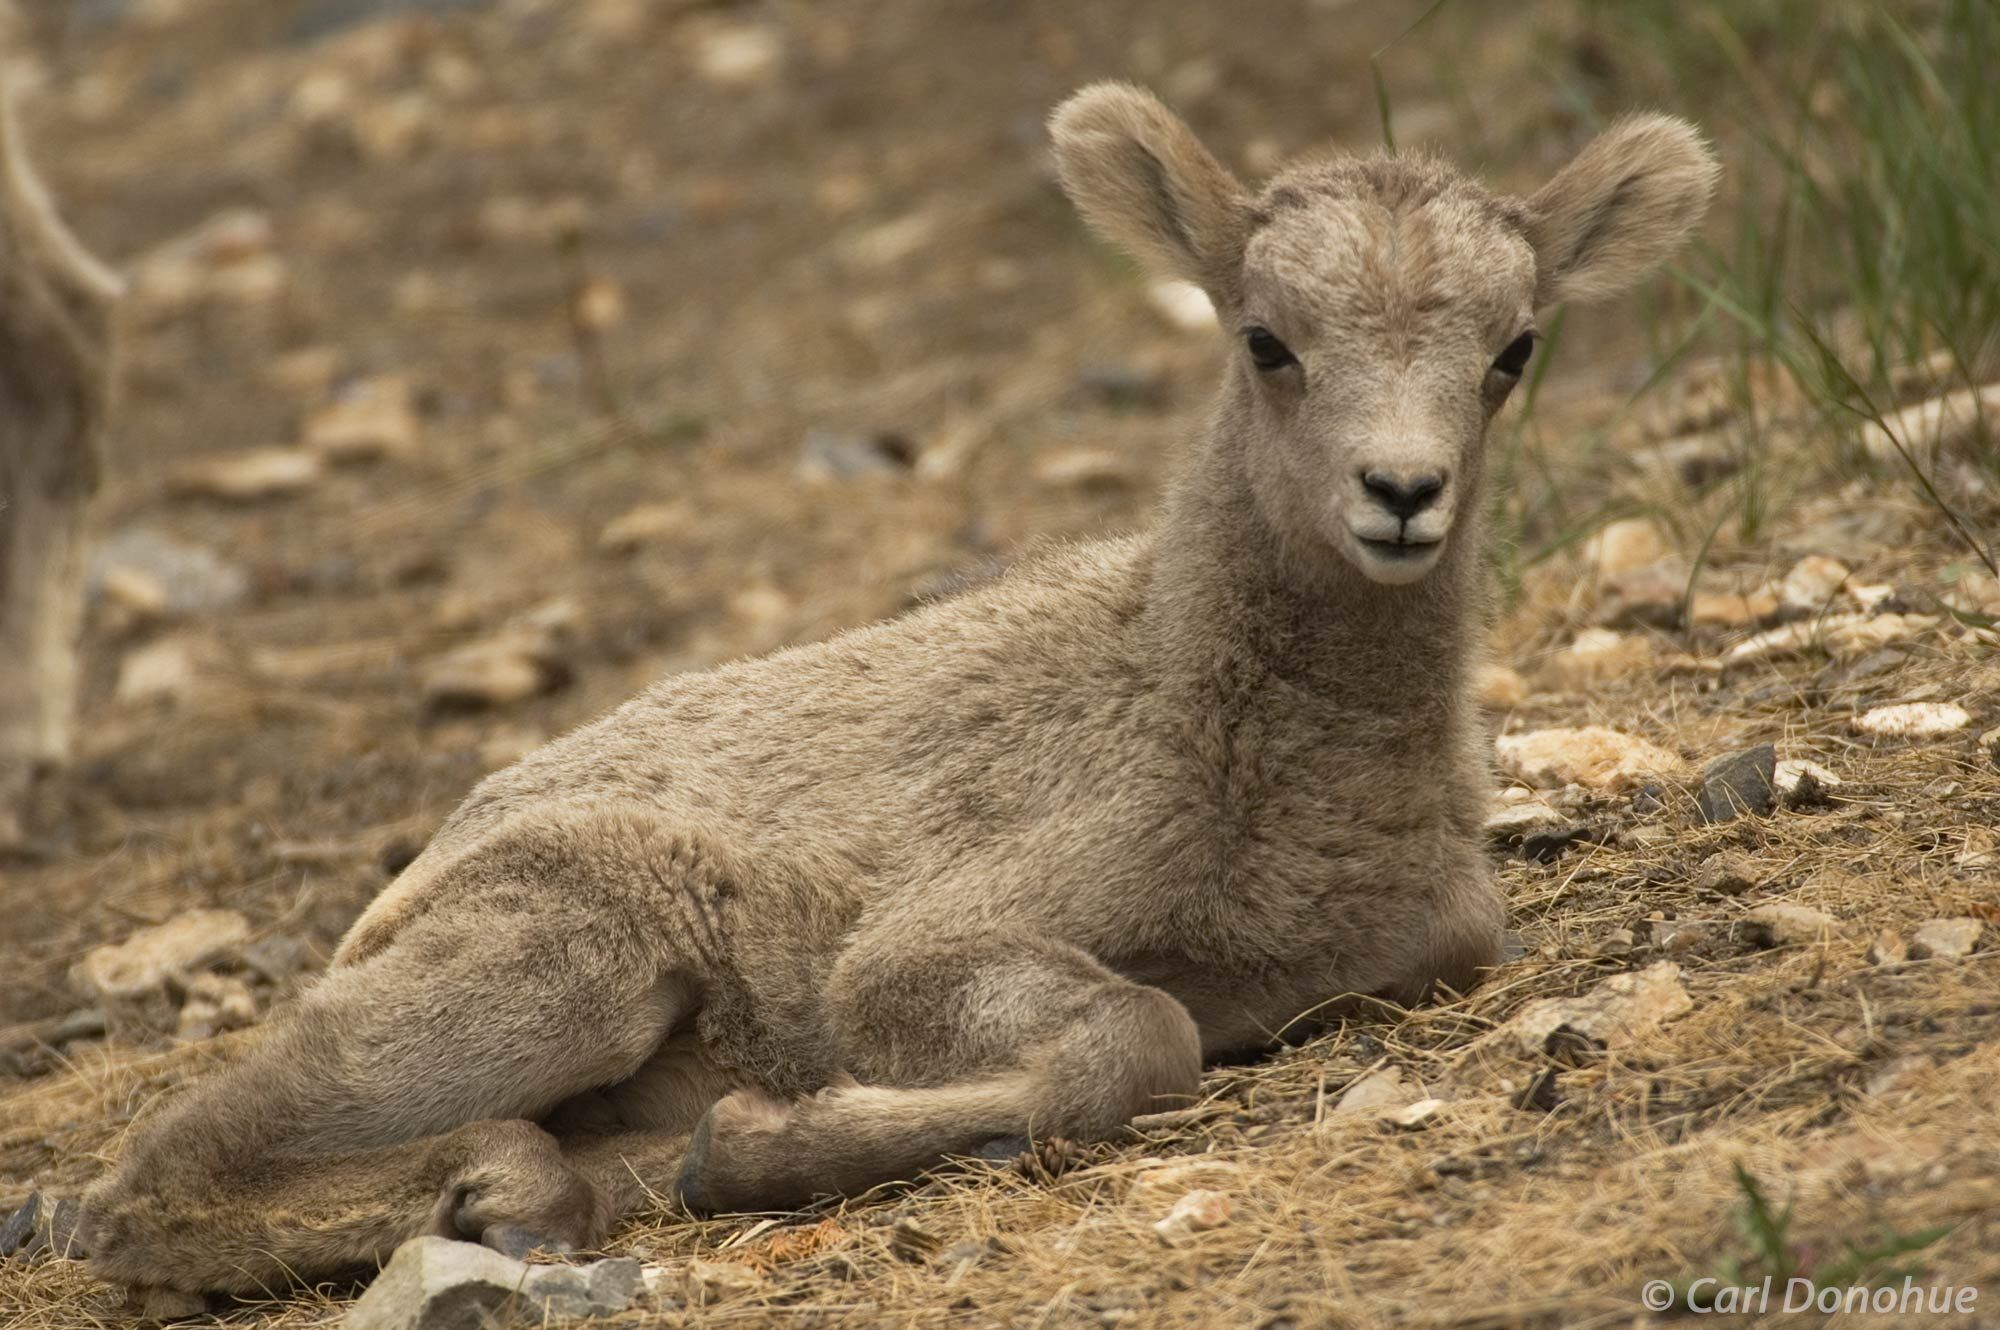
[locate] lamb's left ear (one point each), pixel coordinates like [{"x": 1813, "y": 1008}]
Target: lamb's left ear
[
  {"x": 1140, "y": 176},
  {"x": 1626, "y": 203}
]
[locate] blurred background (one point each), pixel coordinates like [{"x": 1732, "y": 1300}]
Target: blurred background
[{"x": 486, "y": 359}]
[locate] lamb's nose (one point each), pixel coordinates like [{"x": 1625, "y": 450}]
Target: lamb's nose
[{"x": 1404, "y": 498}]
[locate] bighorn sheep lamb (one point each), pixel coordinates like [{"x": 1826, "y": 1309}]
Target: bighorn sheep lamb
[{"x": 1013, "y": 863}]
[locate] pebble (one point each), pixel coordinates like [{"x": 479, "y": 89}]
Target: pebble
[
  {"x": 835, "y": 455},
  {"x": 1729, "y": 875},
  {"x": 647, "y": 524},
  {"x": 1730, "y": 609},
  {"x": 170, "y": 669},
  {"x": 251, "y": 476},
  {"x": 1615, "y": 943},
  {"x": 1625, "y": 545},
  {"x": 1592, "y": 756},
  {"x": 1183, "y": 306},
  {"x": 1945, "y": 939},
  {"x": 1412, "y": 1117},
  {"x": 1913, "y": 720},
  {"x": 1778, "y": 924},
  {"x": 367, "y": 421},
  {"x": 151, "y": 958},
  {"x": 1196, "y": 1212},
  {"x": 1737, "y": 784},
  {"x": 434, "y": 1283},
  {"x": 1499, "y": 687},
  {"x": 1888, "y": 948},
  {"x": 1812, "y": 583},
  {"x": 214, "y": 1003},
  {"x": 737, "y": 55},
  {"x": 1598, "y": 655},
  {"x": 1614, "y": 1013},
  {"x": 1372, "y": 1093},
  {"x": 163, "y": 577},
  {"x": 1082, "y": 468}
]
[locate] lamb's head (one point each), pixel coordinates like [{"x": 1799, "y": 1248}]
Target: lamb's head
[{"x": 1383, "y": 308}]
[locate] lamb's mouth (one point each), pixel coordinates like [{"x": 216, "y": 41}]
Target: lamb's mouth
[{"x": 1400, "y": 551}]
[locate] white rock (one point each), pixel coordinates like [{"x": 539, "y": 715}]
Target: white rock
[
  {"x": 150, "y": 958},
  {"x": 1812, "y": 583},
  {"x": 1940, "y": 423},
  {"x": 1591, "y": 756},
  {"x": 1913, "y": 720},
  {"x": 648, "y": 524},
  {"x": 1945, "y": 939},
  {"x": 1781, "y": 924},
  {"x": 738, "y": 55},
  {"x": 1598, "y": 655},
  {"x": 1614, "y": 1013},
  {"x": 252, "y": 475},
  {"x": 1183, "y": 305},
  {"x": 434, "y": 1283},
  {"x": 1379, "y": 1090},
  {"x": 1196, "y": 1212},
  {"x": 1412, "y": 1117},
  {"x": 1840, "y": 636},
  {"x": 1625, "y": 545},
  {"x": 170, "y": 669},
  {"x": 368, "y": 420}
]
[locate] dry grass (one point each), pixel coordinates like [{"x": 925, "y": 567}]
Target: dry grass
[{"x": 1865, "y": 1096}]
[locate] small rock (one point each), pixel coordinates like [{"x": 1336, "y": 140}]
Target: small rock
[
  {"x": 710, "y": 1282},
  {"x": 491, "y": 674},
  {"x": 1507, "y": 825},
  {"x": 1196, "y": 1212},
  {"x": 1412, "y": 1117},
  {"x": 737, "y": 55},
  {"x": 150, "y": 959},
  {"x": 1888, "y": 948},
  {"x": 367, "y": 421},
  {"x": 1945, "y": 939},
  {"x": 161, "y": 576},
  {"x": 1625, "y": 545},
  {"x": 1082, "y": 468},
  {"x": 1676, "y": 937},
  {"x": 1981, "y": 849},
  {"x": 1598, "y": 655},
  {"x": 43, "y": 1226},
  {"x": 1812, "y": 583},
  {"x": 1615, "y": 944},
  {"x": 1499, "y": 688},
  {"x": 434, "y": 1283},
  {"x": 831, "y": 455},
  {"x": 648, "y": 524},
  {"x": 1778, "y": 924},
  {"x": 1593, "y": 756},
  {"x": 1840, "y": 636},
  {"x": 170, "y": 669},
  {"x": 1729, "y": 874},
  {"x": 1617, "y": 1011},
  {"x": 1184, "y": 306},
  {"x": 1737, "y": 784},
  {"x": 1372, "y": 1093},
  {"x": 1719, "y": 609},
  {"x": 599, "y": 303},
  {"x": 251, "y": 476},
  {"x": 1913, "y": 720},
  {"x": 1648, "y": 597},
  {"x": 215, "y": 1003},
  {"x": 1802, "y": 784}
]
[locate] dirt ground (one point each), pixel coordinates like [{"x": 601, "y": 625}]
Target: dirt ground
[{"x": 698, "y": 329}]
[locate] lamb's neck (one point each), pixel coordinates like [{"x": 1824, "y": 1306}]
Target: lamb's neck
[{"x": 1235, "y": 610}]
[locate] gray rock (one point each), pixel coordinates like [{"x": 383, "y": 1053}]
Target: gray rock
[
  {"x": 187, "y": 578},
  {"x": 831, "y": 455},
  {"x": 438, "y": 1284},
  {"x": 1945, "y": 939},
  {"x": 1738, "y": 784}
]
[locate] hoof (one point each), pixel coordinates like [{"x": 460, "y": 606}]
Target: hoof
[
  {"x": 688, "y": 1188},
  {"x": 737, "y": 1129}
]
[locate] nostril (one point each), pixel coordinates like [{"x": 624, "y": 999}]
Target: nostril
[{"x": 1403, "y": 498}]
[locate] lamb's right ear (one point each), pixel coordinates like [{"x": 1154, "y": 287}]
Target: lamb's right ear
[{"x": 1143, "y": 179}]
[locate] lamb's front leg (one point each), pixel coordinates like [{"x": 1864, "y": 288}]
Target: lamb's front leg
[{"x": 954, "y": 1042}]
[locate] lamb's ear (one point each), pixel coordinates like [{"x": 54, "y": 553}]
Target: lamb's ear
[
  {"x": 1142, "y": 179},
  {"x": 1619, "y": 209}
]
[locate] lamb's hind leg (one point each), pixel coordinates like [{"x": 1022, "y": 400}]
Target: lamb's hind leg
[
  {"x": 396, "y": 1100},
  {"x": 958, "y": 1043}
]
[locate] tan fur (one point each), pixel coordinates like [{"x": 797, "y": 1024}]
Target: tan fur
[
  {"x": 56, "y": 305},
  {"x": 1014, "y": 863}
]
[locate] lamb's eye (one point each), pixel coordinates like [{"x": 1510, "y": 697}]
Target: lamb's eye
[
  {"x": 1515, "y": 358},
  {"x": 1266, "y": 351}
]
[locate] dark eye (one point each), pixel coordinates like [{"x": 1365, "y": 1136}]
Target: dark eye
[
  {"x": 1266, "y": 351},
  {"x": 1515, "y": 358}
]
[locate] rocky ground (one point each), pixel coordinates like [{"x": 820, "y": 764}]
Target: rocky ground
[{"x": 485, "y": 361}]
